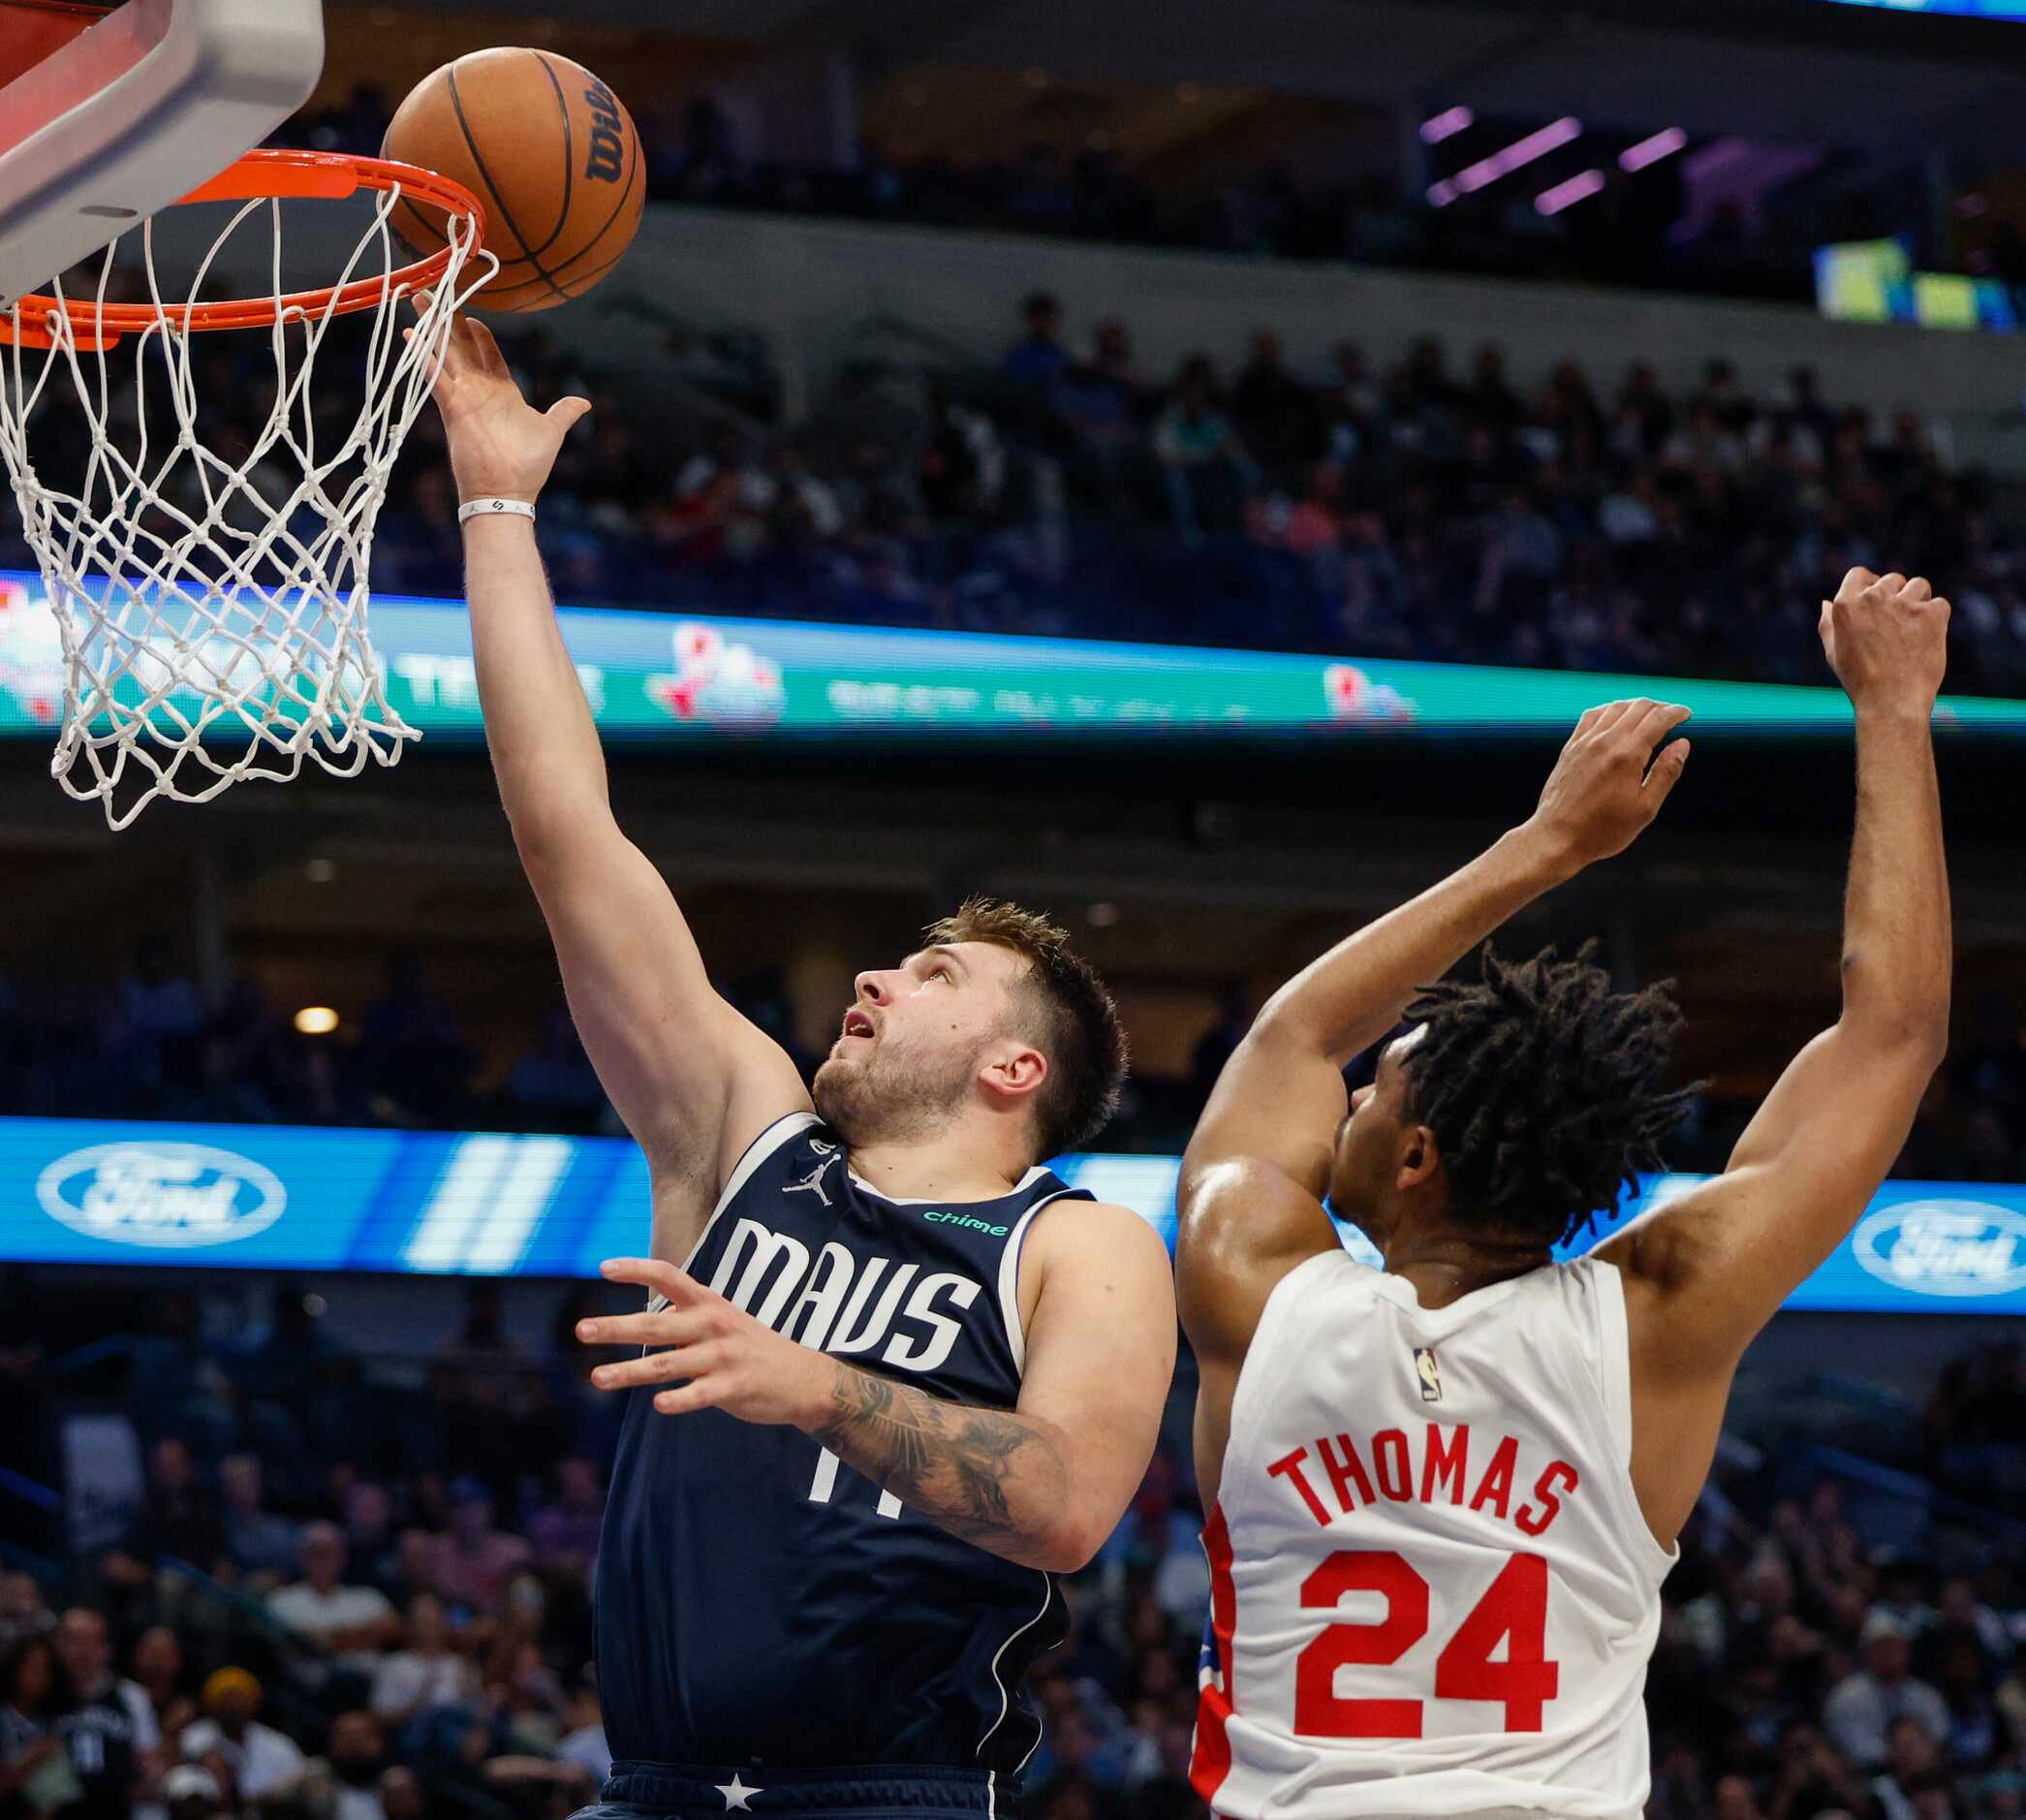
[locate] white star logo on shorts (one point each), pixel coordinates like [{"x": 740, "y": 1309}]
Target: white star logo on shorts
[{"x": 735, "y": 1792}]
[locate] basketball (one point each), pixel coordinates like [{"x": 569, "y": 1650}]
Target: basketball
[{"x": 551, "y": 154}]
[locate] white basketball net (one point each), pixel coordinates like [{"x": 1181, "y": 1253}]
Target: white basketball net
[{"x": 212, "y": 607}]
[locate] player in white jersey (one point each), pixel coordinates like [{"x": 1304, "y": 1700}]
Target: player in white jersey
[{"x": 1442, "y": 1496}]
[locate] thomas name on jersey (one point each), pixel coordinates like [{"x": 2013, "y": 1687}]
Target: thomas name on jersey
[{"x": 1428, "y": 1468}]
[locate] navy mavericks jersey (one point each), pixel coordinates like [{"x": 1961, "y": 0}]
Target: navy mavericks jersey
[{"x": 758, "y": 1601}]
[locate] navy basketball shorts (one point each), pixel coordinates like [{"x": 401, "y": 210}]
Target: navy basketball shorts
[{"x": 888, "y": 1791}]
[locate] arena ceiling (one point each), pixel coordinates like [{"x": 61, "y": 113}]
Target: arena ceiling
[{"x": 1774, "y": 68}]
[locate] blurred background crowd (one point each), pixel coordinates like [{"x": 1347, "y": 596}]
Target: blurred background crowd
[
  {"x": 1431, "y": 508},
  {"x": 1271, "y": 208},
  {"x": 148, "y": 1045},
  {"x": 349, "y": 1584}
]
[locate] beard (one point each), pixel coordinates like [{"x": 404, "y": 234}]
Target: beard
[{"x": 891, "y": 1097}]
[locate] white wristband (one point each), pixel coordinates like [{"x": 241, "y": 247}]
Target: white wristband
[{"x": 485, "y": 507}]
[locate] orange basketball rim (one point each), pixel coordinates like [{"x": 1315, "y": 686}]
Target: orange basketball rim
[{"x": 277, "y": 174}]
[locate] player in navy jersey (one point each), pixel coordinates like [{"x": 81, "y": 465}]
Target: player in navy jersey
[{"x": 893, "y": 1374}]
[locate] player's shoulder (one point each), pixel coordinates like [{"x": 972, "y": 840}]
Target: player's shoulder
[
  {"x": 1072, "y": 1233},
  {"x": 1244, "y": 1209}
]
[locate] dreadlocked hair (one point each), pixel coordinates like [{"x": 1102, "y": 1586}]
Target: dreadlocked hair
[{"x": 1543, "y": 1088}]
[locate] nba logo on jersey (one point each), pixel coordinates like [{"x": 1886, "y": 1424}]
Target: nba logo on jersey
[{"x": 1431, "y": 1379}]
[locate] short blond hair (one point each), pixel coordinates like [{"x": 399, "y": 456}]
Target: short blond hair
[{"x": 1075, "y": 1023}]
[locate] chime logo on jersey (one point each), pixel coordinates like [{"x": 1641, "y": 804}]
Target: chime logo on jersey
[
  {"x": 840, "y": 1303},
  {"x": 1424, "y": 1368}
]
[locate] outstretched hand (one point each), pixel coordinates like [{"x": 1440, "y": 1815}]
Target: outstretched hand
[
  {"x": 1608, "y": 785},
  {"x": 717, "y": 1356},
  {"x": 500, "y": 445}
]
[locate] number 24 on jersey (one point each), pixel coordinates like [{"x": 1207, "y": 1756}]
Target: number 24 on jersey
[{"x": 1514, "y": 1610}]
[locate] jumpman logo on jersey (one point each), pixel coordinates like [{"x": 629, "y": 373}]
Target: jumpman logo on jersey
[
  {"x": 812, "y": 1182},
  {"x": 736, "y": 1793}
]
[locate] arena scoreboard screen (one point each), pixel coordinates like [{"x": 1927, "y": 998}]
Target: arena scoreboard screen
[{"x": 661, "y": 677}]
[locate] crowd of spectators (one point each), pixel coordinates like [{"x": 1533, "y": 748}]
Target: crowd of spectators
[
  {"x": 1628, "y": 235},
  {"x": 373, "y": 1602},
  {"x": 149, "y": 1045},
  {"x": 1414, "y": 511},
  {"x": 1424, "y": 508}
]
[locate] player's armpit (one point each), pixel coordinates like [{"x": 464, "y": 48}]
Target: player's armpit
[
  {"x": 1707, "y": 1272},
  {"x": 694, "y": 1080}
]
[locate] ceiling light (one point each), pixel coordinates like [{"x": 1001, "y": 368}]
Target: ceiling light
[
  {"x": 1522, "y": 151},
  {"x": 1551, "y": 201},
  {"x": 1650, "y": 152},
  {"x": 316, "y": 1021},
  {"x": 1450, "y": 122}
]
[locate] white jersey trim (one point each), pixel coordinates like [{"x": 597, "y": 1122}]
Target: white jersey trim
[
  {"x": 1615, "y": 1391},
  {"x": 1010, "y": 1276},
  {"x": 1025, "y": 1182},
  {"x": 1005, "y": 1693}
]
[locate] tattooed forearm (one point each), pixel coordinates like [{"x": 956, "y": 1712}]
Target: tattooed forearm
[{"x": 990, "y": 1475}]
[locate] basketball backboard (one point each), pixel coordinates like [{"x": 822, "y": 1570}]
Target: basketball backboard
[{"x": 108, "y": 112}]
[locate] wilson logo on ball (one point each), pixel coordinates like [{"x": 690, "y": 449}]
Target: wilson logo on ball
[{"x": 608, "y": 157}]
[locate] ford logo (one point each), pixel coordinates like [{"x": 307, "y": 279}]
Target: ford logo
[
  {"x": 179, "y": 1195},
  {"x": 1946, "y": 1247}
]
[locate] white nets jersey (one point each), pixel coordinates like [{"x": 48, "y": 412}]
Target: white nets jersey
[{"x": 1432, "y": 1588}]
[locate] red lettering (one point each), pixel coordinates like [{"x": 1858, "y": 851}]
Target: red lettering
[
  {"x": 1289, "y": 1466},
  {"x": 1495, "y": 1488},
  {"x": 1344, "y": 1473},
  {"x": 1444, "y": 1462},
  {"x": 1391, "y": 1462},
  {"x": 1534, "y": 1522}
]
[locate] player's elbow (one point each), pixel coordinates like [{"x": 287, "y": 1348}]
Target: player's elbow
[
  {"x": 1287, "y": 1022},
  {"x": 554, "y": 830},
  {"x": 1891, "y": 1011},
  {"x": 1071, "y": 1543}
]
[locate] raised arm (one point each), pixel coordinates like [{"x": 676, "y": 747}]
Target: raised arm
[
  {"x": 1704, "y": 1274},
  {"x": 692, "y": 1078},
  {"x": 1250, "y": 1200},
  {"x": 1280, "y": 1094}
]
